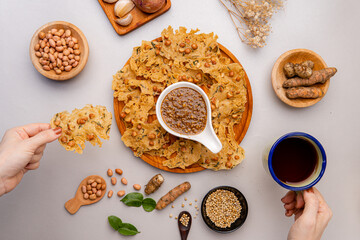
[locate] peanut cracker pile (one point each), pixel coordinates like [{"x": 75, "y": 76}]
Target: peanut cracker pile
[{"x": 181, "y": 56}]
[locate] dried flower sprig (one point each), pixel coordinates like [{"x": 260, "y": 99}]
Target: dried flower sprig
[{"x": 251, "y": 19}]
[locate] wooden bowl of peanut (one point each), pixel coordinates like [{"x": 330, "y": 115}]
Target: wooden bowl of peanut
[{"x": 59, "y": 50}]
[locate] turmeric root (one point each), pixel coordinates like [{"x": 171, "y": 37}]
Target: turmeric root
[
  {"x": 303, "y": 70},
  {"x": 304, "y": 92},
  {"x": 172, "y": 195},
  {"x": 154, "y": 184},
  {"x": 320, "y": 76}
]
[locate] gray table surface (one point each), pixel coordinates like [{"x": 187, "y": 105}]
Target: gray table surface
[{"x": 35, "y": 209}]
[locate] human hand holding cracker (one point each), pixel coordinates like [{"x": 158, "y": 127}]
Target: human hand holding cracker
[
  {"x": 21, "y": 149},
  {"x": 312, "y": 214}
]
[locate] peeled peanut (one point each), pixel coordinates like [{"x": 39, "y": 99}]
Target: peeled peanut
[
  {"x": 137, "y": 187},
  {"x": 94, "y": 184},
  {"x": 119, "y": 171},
  {"x": 124, "y": 181},
  {"x": 86, "y": 196},
  {"x": 113, "y": 180},
  {"x": 109, "y": 172},
  {"x": 83, "y": 189},
  {"x": 90, "y": 181},
  {"x": 103, "y": 186},
  {"x": 98, "y": 193},
  {"x": 121, "y": 193},
  {"x": 92, "y": 197},
  {"x": 94, "y": 190},
  {"x": 88, "y": 187},
  {"x": 110, "y": 193},
  {"x": 98, "y": 187}
]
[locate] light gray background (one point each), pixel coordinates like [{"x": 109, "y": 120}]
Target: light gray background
[{"x": 35, "y": 209}]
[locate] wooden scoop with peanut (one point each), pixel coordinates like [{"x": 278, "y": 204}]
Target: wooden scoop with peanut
[{"x": 91, "y": 190}]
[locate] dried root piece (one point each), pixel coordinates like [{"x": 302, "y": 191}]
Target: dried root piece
[
  {"x": 320, "y": 76},
  {"x": 154, "y": 184},
  {"x": 172, "y": 195},
  {"x": 304, "y": 92},
  {"x": 302, "y": 70},
  {"x": 289, "y": 70}
]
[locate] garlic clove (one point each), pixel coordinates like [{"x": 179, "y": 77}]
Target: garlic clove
[
  {"x": 110, "y": 1},
  {"x": 124, "y": 21},
  {"x": 123, "y": 7}
]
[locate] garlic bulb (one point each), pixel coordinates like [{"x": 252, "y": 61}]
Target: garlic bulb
[
  {"x": 110, "y": 1},
  {"x": 122, "y": 7},
  {"x": 124, "y": 21}
]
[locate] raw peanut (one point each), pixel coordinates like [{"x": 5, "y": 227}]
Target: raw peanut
[
  {"x": 52, "y": 50},
  {"x": 46, "y": 56},
  {"x": 98, "y": 180},
  {"x": 103, "y": 186},
  {"x": 109, "y": 172},
  {"x": 98, "y": 193},
  {"x": 37, "y": 47},
  {"x": 58, "y": 71},
  {"x": 60, "y": 55},
  {"x": 137, "y": 187},
  {"x": 121, "y": 193},
  {"x": 53, "y": 31},
  {"x": 52, "y": 58},
  {"x": 68, "y": 33},
  {"x": 94, "y": 184},
  {"x": 56, "y": 38},
  {"x": 119, "y": 171},
  {"x": 51, "y": 66},
  {"x": 68, "y": 68},
  {"x": 75, "y": 64},
  {"x": 71, "y": 44},
  {"x": 124, "y": 181},
  {"x": 66, "y": 52},
  {"x": 92, "y": 197},
  {"x": 94, "y": 190},
  {"x": 113, "y": 180},
  {"x": 59, "y": 49},
  {"x": 110, "y": 193},
  {"x": 71, "y": 56},
  {"x": 86, "y": 196},
  {"x": 49, "y": 35},
  {"x": 77, "y": 52},
  {"x": 58, "y": 62},
  {"x": 41, "y": 35},
  {"x": 90, "y": 181},
  {"x": 42, "y": 44},
  {"x": 98, "y": 187},
  {"x": 58, "y": 43},
  {"x": 62, "y": 68},
  {"x": 65, "y": 58},
  {"x": 88, "y": 187},
  {"x": 74, "y": 40},
  {"x": 52, "y": 43},
  {"x": 47, "y": 49},
  {"x": 89, "y": 192},
  {"x": 38, "y": 54},
  {"x": 83, "y": 189},
  {"x": 46, "y": 68},
  {"x": 76, "y": 46},
  {"x": 71, "y": 50},
  {"x": 72, "y": 61}
]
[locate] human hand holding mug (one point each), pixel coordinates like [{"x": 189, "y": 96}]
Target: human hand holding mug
[{"x": 312, "y": 214}]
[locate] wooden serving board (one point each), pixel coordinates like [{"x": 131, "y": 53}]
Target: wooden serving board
[
  {"x": 139, "y": 17},
  {"x": 239, "y": 129}
]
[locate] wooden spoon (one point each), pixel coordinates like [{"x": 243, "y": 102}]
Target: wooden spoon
[
  {"x": 73, "y": 205},
  {"x": 184, "y": 230}
]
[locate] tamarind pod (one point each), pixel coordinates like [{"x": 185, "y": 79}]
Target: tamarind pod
[
  {"x": 172, "y": 195},
  {"x": 320, "y": 76},
  {"x": 304, "y": 92}
]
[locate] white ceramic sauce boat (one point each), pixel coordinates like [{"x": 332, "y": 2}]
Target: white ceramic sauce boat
[{"x": 207, "y": 137}]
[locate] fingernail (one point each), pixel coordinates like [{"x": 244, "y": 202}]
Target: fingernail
[
  {"x": 310, "y": 190},
  {"x": 57, "y": 130}
]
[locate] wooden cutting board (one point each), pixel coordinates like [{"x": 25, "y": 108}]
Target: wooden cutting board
[
  {"x": 239, "y": 129},
  {"x": 139, "y": 17}
]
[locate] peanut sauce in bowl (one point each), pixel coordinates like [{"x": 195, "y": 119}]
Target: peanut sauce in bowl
[{"x": 183, "y": 110}]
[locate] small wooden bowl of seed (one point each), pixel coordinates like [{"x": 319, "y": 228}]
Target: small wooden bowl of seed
[
  {"x": 224, "y": 197},
  {"x": 278, "y": 77},
  {"x": 59, "y": 50}
]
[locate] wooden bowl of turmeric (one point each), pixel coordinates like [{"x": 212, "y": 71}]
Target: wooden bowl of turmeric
[{"x": 301, "y": 91}]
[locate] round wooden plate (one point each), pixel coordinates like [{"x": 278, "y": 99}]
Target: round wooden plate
[
  {"x": 239, "y": 129},
  {"x": 278, "y": 76}
]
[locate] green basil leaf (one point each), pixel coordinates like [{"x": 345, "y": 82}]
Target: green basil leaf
[
  {"x": 149, "y": 204},
  {"x": 115, "y": 222},
  {"x": 133, "y": 199},
  {"x": 127, "y": 229}
]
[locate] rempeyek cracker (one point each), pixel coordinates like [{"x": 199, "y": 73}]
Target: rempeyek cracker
[
  {"x": 86, "y": 124},
  {"x": 181, "y": 56}
]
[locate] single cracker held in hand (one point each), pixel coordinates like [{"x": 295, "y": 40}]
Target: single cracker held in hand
[{"x": 86, "y": 124}]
